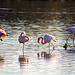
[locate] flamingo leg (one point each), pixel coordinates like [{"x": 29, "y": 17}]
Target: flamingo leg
[
  {"x": 49, "y": 47},
  {"x": 73, "y": 39},
  {"x": 23, "y": 50},
  {"x": 67, "y": 39},
  {"x": 53, "y": 47}
]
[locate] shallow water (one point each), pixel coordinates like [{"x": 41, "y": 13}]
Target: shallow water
[{"x": 37, "y": 18}]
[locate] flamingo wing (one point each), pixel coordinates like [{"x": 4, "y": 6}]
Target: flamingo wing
[
  {"x": 47, "y": 38},
  {"x": 23, "y": 39},
  {"x": 71, "y": 29}
]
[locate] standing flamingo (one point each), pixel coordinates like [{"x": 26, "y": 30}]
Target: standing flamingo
[
  {"x": 2, "y": 34},
  {"x": 47, "y": 39},
  {"x": 23, "y": 39},
  {"x": 72, "y": 30}
]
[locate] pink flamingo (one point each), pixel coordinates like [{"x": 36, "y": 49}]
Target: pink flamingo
[
  {"x": 47, "y": 39},
  {"x": 23, "y": 39},
  {"x": 2, "y": 34},
  {"x": 72, "y": 30}
]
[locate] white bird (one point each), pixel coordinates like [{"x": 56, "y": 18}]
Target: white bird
[
  {"x": 47, "y": 39},
  {"x": 23, "y": 39},
  {"x": 2, "y": 34}
]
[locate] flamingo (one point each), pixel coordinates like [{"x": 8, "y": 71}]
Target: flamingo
[
  {"x": 72, "y": 30},
  {"x": 2, "y": 34},
  {"x": 23, "y": 39},
  {"x": 48, "y": 39}
]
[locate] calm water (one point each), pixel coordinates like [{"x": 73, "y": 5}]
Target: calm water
[{"x": 37, "y": 18}]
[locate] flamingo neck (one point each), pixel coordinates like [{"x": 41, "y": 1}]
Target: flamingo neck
[
  {"x": 27, "y": 38},
  {"x": 42, "y": 40}
]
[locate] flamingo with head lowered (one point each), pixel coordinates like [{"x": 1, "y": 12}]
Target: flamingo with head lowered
[
  {"x": 72, "y": 30},
  {"x": 23, "y": 38},
  {"x": 47, "y": 39},
  {"x": 2, "y": 34}
]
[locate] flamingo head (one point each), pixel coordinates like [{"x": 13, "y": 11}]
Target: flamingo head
[
  {"x": 5, "y": 34},
  {"x": 27, "y": 38},
  {"x": 2, "y": 32},
  {"x": 39, "y": 39},
  {"x": 55, "y": 39},
  {"x": 23, "y": 34}
]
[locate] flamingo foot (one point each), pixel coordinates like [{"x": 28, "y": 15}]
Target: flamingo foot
[{"x": 65, "y": 46}]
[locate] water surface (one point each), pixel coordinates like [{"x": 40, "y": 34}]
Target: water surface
[{"x": 37, "y": 18}]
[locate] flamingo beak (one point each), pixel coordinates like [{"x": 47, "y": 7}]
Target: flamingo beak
[
  {"x": 26, "y": 37},
  {"x": 6, "y": 35},
  {"x": 67, "y": 29},
  {"x": 55, "y": 39}
]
